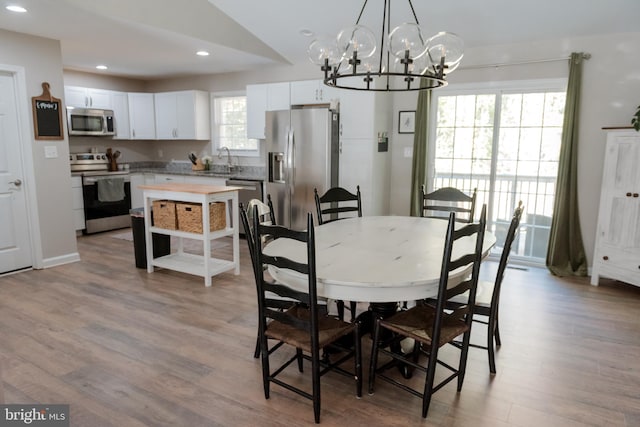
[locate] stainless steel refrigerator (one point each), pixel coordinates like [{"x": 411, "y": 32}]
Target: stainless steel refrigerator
[{"x": 302, "y": 154}]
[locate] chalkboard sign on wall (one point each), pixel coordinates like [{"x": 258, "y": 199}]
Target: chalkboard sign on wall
[{"x": 47, "y": 115}]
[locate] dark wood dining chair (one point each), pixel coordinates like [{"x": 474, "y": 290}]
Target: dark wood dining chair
[
  {"x": 335, "y": 202},
  {"x": 266, "y": 215},
  {"x": 432, "y": 327},
  {"x": 486, "y": 308},
  {"x": 332, "y": 206},
  {"x": 440, "y": 202},
  {"x": 315, "y": 336}
]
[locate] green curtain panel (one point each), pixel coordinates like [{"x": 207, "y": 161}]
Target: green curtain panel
[
  {"x": 565, "y": 253},
  {"x": 420, "y": 137}
]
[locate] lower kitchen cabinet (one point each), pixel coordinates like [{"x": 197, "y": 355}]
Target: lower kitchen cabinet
[
  {"x": 77, "y": 203},
  {"x": 138, "y": 179}
]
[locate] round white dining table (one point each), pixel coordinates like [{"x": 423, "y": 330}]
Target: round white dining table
[{"x": 376, "y": 259}]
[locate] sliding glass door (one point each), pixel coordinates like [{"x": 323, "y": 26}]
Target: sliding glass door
[{"x": 505, "y": 142}]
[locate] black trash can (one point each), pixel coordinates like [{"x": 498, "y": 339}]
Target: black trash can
[{"x": 161, "y": 242}]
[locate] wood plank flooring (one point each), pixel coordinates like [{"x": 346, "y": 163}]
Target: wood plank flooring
[{"x": 127, "y": 348}]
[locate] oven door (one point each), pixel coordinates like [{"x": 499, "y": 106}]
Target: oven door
[{"x": 107, "y": 201}]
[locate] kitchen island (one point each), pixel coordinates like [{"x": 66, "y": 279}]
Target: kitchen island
[{"x": 204, "y": 195}]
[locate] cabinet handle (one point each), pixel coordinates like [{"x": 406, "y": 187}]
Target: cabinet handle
[
  {"x": 635, "y": 194},
  {"x": 86, "y": 101},
  {"x": 606, "y": 258},
  {"x": 628, "y": 194},
  {"x": 133, "y": 132},
  {"x": 321, "y": 97},
  {"x": 316, "y": 94}
]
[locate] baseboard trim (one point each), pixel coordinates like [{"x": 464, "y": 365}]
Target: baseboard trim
[{"x": 61, "y": 260}]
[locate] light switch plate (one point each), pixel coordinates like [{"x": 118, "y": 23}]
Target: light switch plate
[
  {"x": 408, "y": 151},
  {"x": 50, "y": 151}
]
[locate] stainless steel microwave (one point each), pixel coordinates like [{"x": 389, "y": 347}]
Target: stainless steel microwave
[{"x": 90, "y": 122}]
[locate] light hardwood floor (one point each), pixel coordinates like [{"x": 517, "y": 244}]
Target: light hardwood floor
[{"x": 127, "y": 348}]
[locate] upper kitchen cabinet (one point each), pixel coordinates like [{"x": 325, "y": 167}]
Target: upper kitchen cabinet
[
  {"x": 120, "y": 101},
  {"x": 142, "y": 115},
  {"x": 311, "y": 92},
  {"x": 182, "y": 115},
  {"x": 83, "y": 97},
  {"x": 260, "y": 99}
]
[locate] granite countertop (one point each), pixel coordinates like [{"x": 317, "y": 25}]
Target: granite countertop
[{"x": 218, "y": 171}]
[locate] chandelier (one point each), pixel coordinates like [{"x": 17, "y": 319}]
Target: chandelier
[{"x": 404, "y": 61}]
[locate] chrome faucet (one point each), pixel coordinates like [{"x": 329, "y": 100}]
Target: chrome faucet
[{"x": 230, "y": 165}]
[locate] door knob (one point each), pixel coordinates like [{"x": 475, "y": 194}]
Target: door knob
[{"x": 17, "y": 182}]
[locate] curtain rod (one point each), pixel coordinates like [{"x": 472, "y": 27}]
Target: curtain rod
[{"x": 533, "y": 61}]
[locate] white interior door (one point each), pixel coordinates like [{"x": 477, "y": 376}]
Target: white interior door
[{"x": 15, "y": 243}]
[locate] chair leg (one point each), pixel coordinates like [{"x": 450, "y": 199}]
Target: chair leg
[
  {"x": 353, "y": 306},
  {"x": 462, "y": 366},
  {"x": 256, "y": 353},
  {"x": 358, "y": 360},
  {"x": 340, "y": 307},
  {"x": 492, "y": 331},
  {"x": 497, "y": 333},
  {"x": 315, "y": 381},
  {"x": 429, "y": 380},
  {"x": 374, "y": 355},
  {"x": 264, "y": 351},
  {"x": 300, "y": 359}
]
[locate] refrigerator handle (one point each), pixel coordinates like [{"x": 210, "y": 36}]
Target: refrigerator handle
[
  {"x": 288, "y": 161},
  {"x": 292, "y": 138}
]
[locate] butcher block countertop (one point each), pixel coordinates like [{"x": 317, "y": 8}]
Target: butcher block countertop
[{"x": 191, "y": 188}]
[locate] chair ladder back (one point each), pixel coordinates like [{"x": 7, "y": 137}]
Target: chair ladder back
[
  {"x": 334, "y": 197},
  {"x": 434, "y": 201},
  {"x": 308, "y": 298},
  {"x": 463, "y": 311},
  {"x": 506, "y": 250}
]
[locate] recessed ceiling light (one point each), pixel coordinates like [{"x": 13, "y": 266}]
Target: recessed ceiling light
[
  {"x": 101, "y": 67},
  {"x": 14, "y": 8},
  {"x": 202, "y": 53},
  {"x": 306, "y": 32}
]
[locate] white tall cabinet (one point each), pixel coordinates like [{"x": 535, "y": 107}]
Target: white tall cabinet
[
  {"x": 617, "y": 250},
  {"x": 365, "y": 117}
]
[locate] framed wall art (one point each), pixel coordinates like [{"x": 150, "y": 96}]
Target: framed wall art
[{"x": 406, "y": 121}]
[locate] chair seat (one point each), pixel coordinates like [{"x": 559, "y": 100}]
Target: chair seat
[
  {"x": 329, "y": 330},
  {"x": 417, "y": 322}
]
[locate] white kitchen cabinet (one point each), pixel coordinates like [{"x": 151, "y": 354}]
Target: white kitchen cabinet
[
  {"x": 260, "y": 99},
  {"x": 182, "y": 115},
  {"x": 138, "y": 179},
  {"x": 312, "y": 92},
  {"x": 120, "y": 103},
  {"x": 142, "y": 115},
  {"x": 77, "y": 203},
  {"x": 617, "y": 249},
  {"x": 358, "y": 113},
  {"x": 84, "y": 97}
]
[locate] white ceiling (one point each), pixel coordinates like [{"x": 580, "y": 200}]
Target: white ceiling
[{"x": 150, "y": 39}]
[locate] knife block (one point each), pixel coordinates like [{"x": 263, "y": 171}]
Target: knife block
[{"x": 199, "y": 166}]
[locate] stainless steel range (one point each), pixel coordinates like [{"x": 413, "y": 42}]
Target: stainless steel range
[{"x": 107, "y": 195}]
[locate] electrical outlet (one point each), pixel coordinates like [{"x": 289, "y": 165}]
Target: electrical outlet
[{"x": 160, "y": 153}]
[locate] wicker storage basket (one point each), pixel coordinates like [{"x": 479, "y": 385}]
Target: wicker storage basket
[
  {"x": 190, "y": 217},
  {"x": 164, "y": 214}
]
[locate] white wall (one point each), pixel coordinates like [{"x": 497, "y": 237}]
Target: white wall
[{"x": 42, "y": 60}]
